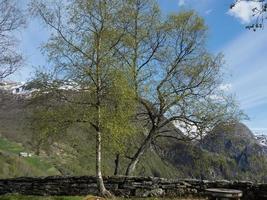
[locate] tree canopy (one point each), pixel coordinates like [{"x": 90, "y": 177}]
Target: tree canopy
[{"x": 120, "y": 65}]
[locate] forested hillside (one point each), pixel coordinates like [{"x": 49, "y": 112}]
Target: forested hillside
[{"x": 227, "y": 153}]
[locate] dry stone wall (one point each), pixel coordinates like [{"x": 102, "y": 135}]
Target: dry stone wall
[{"x": 126, "y": 186}]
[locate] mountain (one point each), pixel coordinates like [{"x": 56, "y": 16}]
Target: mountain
[
  {"x": 237, "y": 143},
  {"x": 72, "y": 153},
  {"x": 262, "y": 139},
  {"x": 229, "y": 152},
  {"x": 14, "y": 87},
  {"x": 228, "y": 139}
]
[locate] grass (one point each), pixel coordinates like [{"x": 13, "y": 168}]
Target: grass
[
  {"x": 13, "y": 166},
  {"x": 20, "y": 197},
  {"x": 8, "y": 146}
]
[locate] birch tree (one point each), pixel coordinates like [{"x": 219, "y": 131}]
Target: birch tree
[{"x": 86, "y": 74}]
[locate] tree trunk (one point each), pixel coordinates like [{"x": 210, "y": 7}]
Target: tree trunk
[
  {"x": 136, "y": 158},
  {"x": 117, "y": 164},
  {"x": 37, "y": 151},
  {"x": 100, "y": 183},
  {"x": 38, "y": 147}
]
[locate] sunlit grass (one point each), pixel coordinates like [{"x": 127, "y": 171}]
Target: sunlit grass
[
  {"x": 12, "y": 165},
  {"x": 8, "y": 146}
]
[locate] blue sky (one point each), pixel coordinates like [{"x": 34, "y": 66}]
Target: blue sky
[{"x": 245, "y": 51}]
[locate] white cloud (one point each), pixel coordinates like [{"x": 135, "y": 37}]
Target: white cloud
[
  {"x": 243, "y": 10},
  {"x": 181, "y": 2},
  {"x": 246, "y": 61},
  {"x": 207, "y": 12},
  {"x": 253, "y": 101}
]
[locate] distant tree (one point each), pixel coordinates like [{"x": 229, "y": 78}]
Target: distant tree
[
  {"x": 259, "y": 13},
  {"x": 11, "y": 20},
  {"x": 45, "y": 119},
  {"x": 41, "y": 135},
  {"x": 86, "y": 74}
]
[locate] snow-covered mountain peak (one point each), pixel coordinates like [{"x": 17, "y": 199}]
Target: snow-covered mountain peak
[
  {"x": 261, "y": 138},
  {"x": 14, "y": 87}
]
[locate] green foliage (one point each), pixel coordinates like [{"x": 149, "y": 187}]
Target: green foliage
[
  {"x": 103, "y": 101},
  {"x": 118, "y": 57},
  {"x": 185, "y": 21},
  {"x": 118, "y": 114},
  {"x": 47, "y": 121}
]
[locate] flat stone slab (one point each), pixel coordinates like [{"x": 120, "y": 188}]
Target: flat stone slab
[{"x": 224, "y": 193}]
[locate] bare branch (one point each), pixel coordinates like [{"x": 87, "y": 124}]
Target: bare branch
[{"x": 11, "y": 19}]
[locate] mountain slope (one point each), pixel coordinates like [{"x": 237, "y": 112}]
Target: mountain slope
[
  {"x": 230, "y": 152},
  {"x": 238, "y": 143},
  {"x": 228, "y": 140},
  {"x": 72, "y": 153},
  {"x": 13, "y": 165}
]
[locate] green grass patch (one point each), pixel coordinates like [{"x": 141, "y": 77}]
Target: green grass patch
[
  {"x": 12, "y": 165},
  {"x": 40, "y": 164},
  {"x": 8, "y": 146}
]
